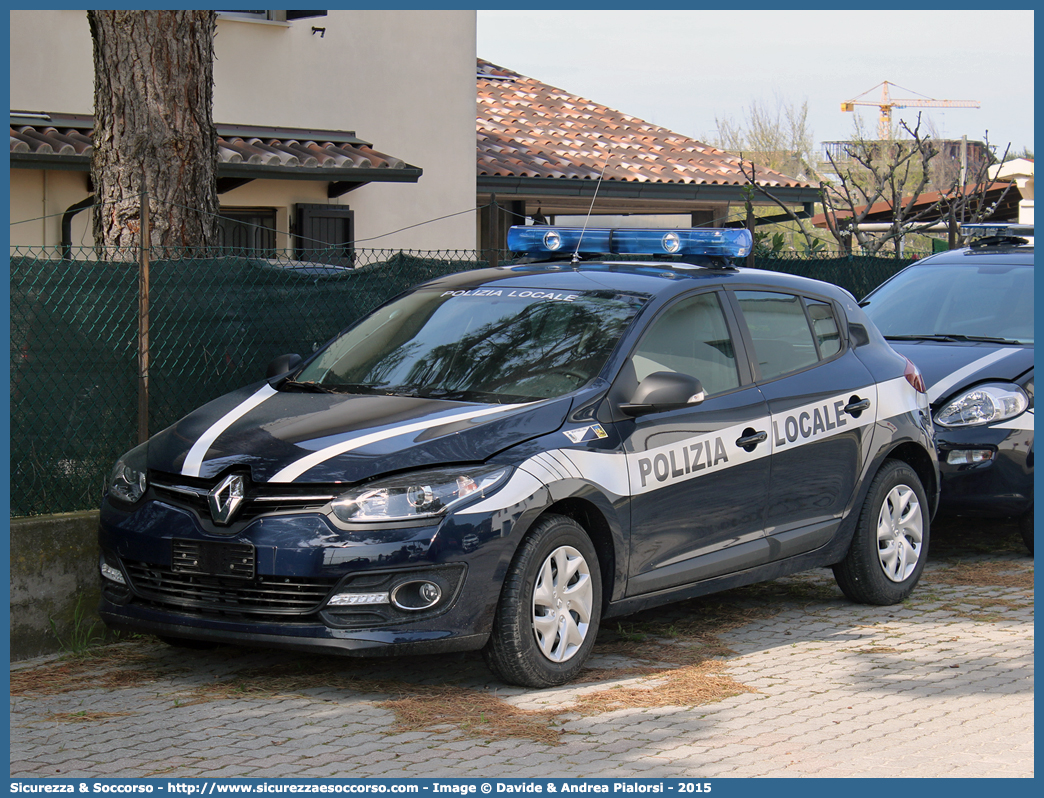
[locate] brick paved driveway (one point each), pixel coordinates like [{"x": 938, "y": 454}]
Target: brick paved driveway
[{"x": 785, "y": 679}]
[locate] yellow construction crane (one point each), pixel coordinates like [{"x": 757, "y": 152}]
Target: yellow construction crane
[{"x": 887, "y": 103}]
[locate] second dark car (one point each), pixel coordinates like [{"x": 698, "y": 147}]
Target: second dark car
[{"x": 965, "y": 317}]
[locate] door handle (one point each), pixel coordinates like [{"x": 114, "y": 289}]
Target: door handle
[
  {"x": 751, "y": 439},
  {"x": 856, "y": 406}
]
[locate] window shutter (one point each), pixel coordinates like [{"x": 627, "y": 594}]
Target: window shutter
[{"x": 326, "y": 234}]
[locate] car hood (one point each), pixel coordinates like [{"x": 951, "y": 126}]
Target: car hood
[
  {"x": 325, "y": 438},
  {"x": 949, "y": 367}
]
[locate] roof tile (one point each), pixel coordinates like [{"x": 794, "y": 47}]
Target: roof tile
[
  {"x": 526, "y": 128},
  {"x": 304, "y": 153}
]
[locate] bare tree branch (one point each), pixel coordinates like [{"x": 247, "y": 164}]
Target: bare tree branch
[
  {"x": 895, "y": 173},
  {"x": 811, "y": 242}
]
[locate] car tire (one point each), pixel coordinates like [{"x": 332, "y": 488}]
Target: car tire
[
  {"x": 890, "y": 545},
  {"x": 544, "y": 627},
  {"x": 1026, "y": 528}
]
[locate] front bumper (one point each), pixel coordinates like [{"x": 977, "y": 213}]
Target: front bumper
[
  {"x": 999, "y": 486},
  {"x": 316, "y": 638},
  {"x": 280, "y": 598}
]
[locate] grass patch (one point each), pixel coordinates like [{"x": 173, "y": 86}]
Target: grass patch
[
  {"x": 83, "y": 635},
  {"x": 983, "y": 610},
  {"x": 687, "y": 686},
  {"x": 877, "y": 650},
  {"x": 83, "y": 716},
  {"x": 991, "y": 573},
  {"x": 473, "y": 713},
  {"x": 416, "y": 707},
  {"x": 106, "y": 667}
]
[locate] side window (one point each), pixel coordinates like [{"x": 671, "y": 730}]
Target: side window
[
  {"x": 690, "y": 338},
  {"x": 779, "y": 329},
  {"x": 248, "y": 231},
  {"x": 824, "y": 325}
]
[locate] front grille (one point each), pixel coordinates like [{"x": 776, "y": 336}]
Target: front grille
[
  {"x": 181, "y": 496},
  {"x": 262, "y": 595},
  {"x": 191, "y": 493}
]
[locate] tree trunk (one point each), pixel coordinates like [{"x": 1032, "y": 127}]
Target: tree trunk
[{"x": 153, "y": 127}]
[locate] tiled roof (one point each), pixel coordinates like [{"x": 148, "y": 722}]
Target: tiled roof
[
  {"x": 529, "y": 129},
  {"x": 274, "y": 152}
]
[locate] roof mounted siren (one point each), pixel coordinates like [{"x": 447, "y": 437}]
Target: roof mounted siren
[
  {"x": 983, "y": 234},
  {"x": 719, "y": 244}
]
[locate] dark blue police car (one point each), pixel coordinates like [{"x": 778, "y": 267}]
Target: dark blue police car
[
  {"x": 965, "y": 317},
  {"x": 503, "y": 458}
]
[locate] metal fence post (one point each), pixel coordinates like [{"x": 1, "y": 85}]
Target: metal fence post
[
  {"x": 751, "y": 223},
  {"x": 143, "y": 322},
  {"x": 494, "y": 232}
]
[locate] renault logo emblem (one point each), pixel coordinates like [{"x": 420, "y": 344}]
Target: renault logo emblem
[{"x": 225, "y": 498}]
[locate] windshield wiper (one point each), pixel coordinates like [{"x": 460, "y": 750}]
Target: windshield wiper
[
  {"x": 923, "y": 337},
  {"x": 453, "y": 394},
  {"x": 986, "y": 339},
  {"x": 446, "y": 393},
  {"x": 307, "y": 387},
  {"x": 422, "y": 392},
  {"x": 952, "y": 338}
]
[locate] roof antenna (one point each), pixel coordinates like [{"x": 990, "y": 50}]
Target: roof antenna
[{"x": 576, "y": 253}]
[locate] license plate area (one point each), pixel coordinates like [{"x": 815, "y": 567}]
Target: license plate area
[{"x": 213, "y": 558}]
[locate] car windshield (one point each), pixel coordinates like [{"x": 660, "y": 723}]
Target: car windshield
[
  {"x": 973, "y": 301},
  {"x": 479, "y": 344}
]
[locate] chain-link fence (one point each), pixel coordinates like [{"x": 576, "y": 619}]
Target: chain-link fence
[
  {"x": 214, "y": 324},
  {"x": 859, "y": 274}
]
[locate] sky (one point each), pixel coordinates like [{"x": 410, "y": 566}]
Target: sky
[{"x": 684, "y": 69}]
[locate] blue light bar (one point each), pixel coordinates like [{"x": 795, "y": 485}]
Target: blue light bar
[
  {"x": 730, "y": 242},
  {"x": 541, "y": 240},
  {"x": 725, "y": 242}
]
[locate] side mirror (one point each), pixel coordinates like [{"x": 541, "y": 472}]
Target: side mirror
[
  {"x": 281, "y": 365},
  {"x": 664, "y": 390}
]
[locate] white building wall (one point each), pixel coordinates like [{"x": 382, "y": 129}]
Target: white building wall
[
  {"x": 403, "y": 80},
  {"x": 38, "y": 200},
  {"x": 52, "y": 68}
]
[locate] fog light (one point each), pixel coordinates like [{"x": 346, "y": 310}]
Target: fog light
[
  {"x": 355, "y": 599},
  {"x": 112, "y": 574},
  {"x": 969, "y": 456},
  {"x": 413, "y": 596}
]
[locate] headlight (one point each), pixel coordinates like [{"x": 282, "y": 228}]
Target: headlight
[
  {"x": 984, "y": 404},
  {"x": 128, "y": 480},
  {"x": 422, "y": 494}
]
